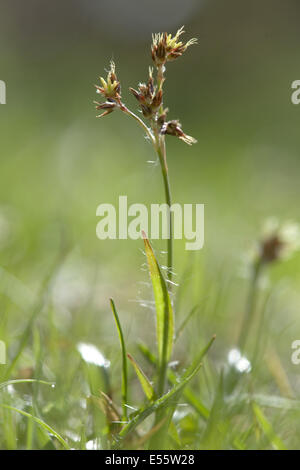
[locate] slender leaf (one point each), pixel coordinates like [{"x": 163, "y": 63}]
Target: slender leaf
[
  {"x": 188, "y": 394},
  {"x": 185, "y": 322},
  {"x": 144, "y": 381},
  {"x": 268, "y": 401},
  {"x": 161, "y": 403},
  {"x": 267, "y": 428},
  {"x": 22, "y": 381},
  {"x": 199, "y": 357},
  {"x": 36, "y": 309},
  {"x": 164, "y": 313},
  {"x": 124, "y": 359},
  {"x": 40, "y": 422}
]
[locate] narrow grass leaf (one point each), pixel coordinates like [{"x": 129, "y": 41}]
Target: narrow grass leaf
[
  {"x": 185, "y": 322},
  {"x": 267, "y": 428},
  {"x": 161, "y": 403},
  {"x": 191, "y": 398},
  {"x": 40, "y": 422},
  {"x": 36, "y": 309},
  {"x": 124, "y": 359},
  {"x": 144, "y": 381},
  {"x": 199, "y": 357},
  {"x": 164, "y": 311},
  {"x": 268, "y": 401},
  {"x": 22, "y": 381}
]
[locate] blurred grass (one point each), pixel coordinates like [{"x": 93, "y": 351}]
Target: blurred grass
[{"x": 58, "y": 163}]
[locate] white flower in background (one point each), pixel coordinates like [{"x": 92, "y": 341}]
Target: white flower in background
[
  {"x": 92, "y": 355},
  {"x": 93, "y": 445},
  {"x": 289, "y": 233},
  {"x": 239, "y": 362}
]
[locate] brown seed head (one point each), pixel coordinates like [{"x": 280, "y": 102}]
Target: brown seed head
[
  {"x": 174, "y": 128},
  {"x": 148, "y": 97},
  {"x": 271, "y": 249}
]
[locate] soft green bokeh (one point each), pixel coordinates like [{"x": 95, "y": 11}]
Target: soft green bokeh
[{"x": 58, "y": 162}]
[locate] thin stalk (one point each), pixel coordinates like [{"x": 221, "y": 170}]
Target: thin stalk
[
  {"x": 185, "y": 322},
  {"x": 160, "y": 147},
  {"x": 161, "y": 152},
  {"x": 124, "y": 360},
  {"x": 250, "y": 307},
  {"x": 139, "y": 121},
  {"x": 158, "y": 142}
]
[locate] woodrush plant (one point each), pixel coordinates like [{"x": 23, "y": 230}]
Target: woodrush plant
[
  {"x": 232, "y": 417},
  {"x": 150, "y": 96},
  {"x": 154, "y": 122}
]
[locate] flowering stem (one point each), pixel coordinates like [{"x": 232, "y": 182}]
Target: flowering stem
[
  {"x": 140, "y": 122},
  {"x": 157, "y": 441},
  {"x": 161, "y": 151},
  {"x": 250, "y": 306},
  {"x": 159, "y": 144}
]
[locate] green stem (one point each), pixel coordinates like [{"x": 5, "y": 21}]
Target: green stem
[
  {"x": 161, "y": 151},
  {"x": 158, "y": 439},
  {"x": 250, "y": 307},
  {"x": 139, "y": 121},
  {"x": 158, "y": 141}
]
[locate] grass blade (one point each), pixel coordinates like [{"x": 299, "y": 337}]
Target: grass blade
[
  {"x": 22, "y": 381},
  {"x": 124, "y": 360},
  {"x": 40, "y": 422},
  {"x": 267, "y": 428},
  {"x": 144, "y": 381},
  {"x": 36, "y": 309},
  {"x": 164, "y": 314},
  {"x": 185, "y": 322},
  {"x": 200, "y": 356},
  {"x": 161, "y": 403},
  {"x": 188, "y": 394}
]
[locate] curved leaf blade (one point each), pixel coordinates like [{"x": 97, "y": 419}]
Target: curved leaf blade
[
  {"x": 164, "y": 311},
  {"x": 124, "y": 359},
  {"x": 144, "y": 381},
  {"x": 40, "y": 422}
]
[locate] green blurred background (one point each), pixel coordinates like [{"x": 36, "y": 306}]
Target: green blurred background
[{"x": 58, "y": 162}]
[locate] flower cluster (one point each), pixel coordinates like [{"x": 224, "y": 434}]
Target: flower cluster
[
  {"x": 111, "y": 90},
  {"x": 148, "y": 96},
  {"x": 166, "y": 48},
  {"x": 174, "y": 128}
]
